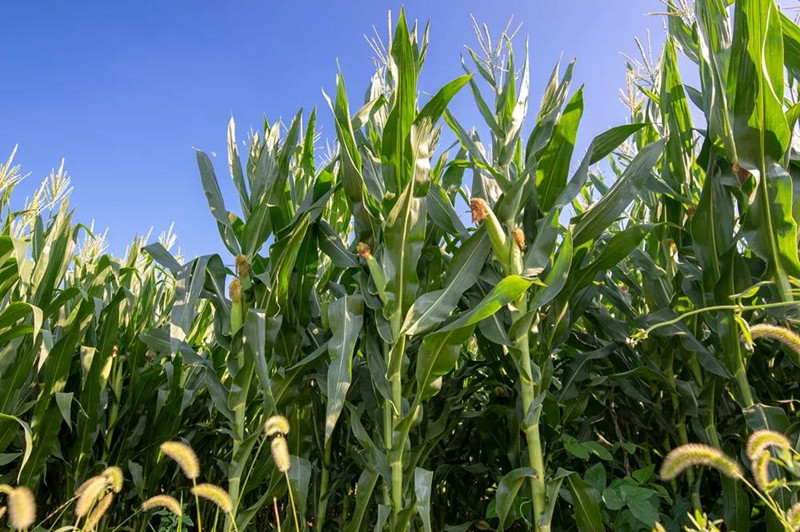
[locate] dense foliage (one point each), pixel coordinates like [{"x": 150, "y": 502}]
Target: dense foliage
[{"x": 367, "y": 357}]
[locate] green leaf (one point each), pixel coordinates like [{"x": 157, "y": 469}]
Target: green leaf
[
  {"x": 771, "y": 229},
  {"x": 350, "y": 173},
  {"x": 64, "y": 402},
  {"x": 285, "y": 250},
  {"x": 299, "y": 475},
  {"x": 519, "y": 110},
  {"x": 439, "y": 351},
  {"x": 618, "y": 248},
  {"x": 235, "y": 167},
  {"x": 735, "y": 505},
  {"x": 712, "y": 229},
  {"x": 507, "y": 491},
  {"x": 432, "y": 308},
  {"x": 443, "y": 214},
  {"x": 480, "y": 101},
  {"x": 556, "y": 278},
  {"x": 470, "y": 142},
  {"x": 755, "y": 85},
  {"x": 256, "y": 229},
  {"x": 331, "y": 244},
  {"x": 585, "y": 503},
  {"x": 422, "y": 489},
  {"x": 401, "y": 117},
  {"x": 215, "y": 202},
  {"x": 364, "y": 488},
  {"x": 17, "y": 310},
  {"x": 765, "y": 417},
  {"x": 26, "y": 430},
  {"x": 675, "y": 113},
  {"x": 549, "y": 112},
  {"x": 404, "y": 236},
  {"x": 345, "y": 316},
  {"x": 163, "y": 257},
  {"x": 258, "y": 333},
  {"x": 791, "y": 45},
  {"x": 602, "y": 214},
  {"x": 606, "y": 142},
  {"x": 553, "y": 167},
  {"x": 713, "y": 38},
  {"x": 643, "y": 510},
  {"x": 421, "y": 138}
]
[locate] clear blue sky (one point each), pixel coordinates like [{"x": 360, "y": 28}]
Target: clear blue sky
[{"x": 124, "y": 90}]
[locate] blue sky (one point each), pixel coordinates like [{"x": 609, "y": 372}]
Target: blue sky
[{"x": 125, "y": 90}]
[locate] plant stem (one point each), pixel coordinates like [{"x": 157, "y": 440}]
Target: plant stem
[
  {"x": 233, "y": 523},
  {"x": 277, "y": 515},
  {"x": 197, "y": 506},
  {"x": 743, "y": 384},
  {"x": 322, "y": 508},
  {"x": 397, "y": 462},
  {"x": 538, "y": 485},
  {"x": 247, "y": 478},
  {"x": 734, "y": 307},
  {"x": 387, "y": 429},
  {"x": 532, "y": 435},
  {"x": 291, "y": 500},
  {"x": 387, "y": 438}
]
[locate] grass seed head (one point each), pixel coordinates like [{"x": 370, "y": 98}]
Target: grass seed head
[
  {"x": 163, "y": 501},
  {"x": 114, "y": 477},
  {"x": 6, "y": 489},
  {"x": 276, "y": 425},
  {"x": 88, "y": 494},
  {"x": 215, "y": 494},
  {"x": 184, "y": 456},
  {"x": 784, "y": 335},
  {"x": 793, "y": 516},
  {"x": 760, "y": 469},
  {"x": 694, "y": 454},
  {"x": 21, "y": 508},
  {"x": 761, "y": 440},
  {"x": 85, "y": 484},
  {"x": 99, "y": 511},
  {"x": 280, "y": 454}
]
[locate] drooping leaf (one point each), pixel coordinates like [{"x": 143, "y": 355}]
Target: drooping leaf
[
  {"x": 346, "y": 318},
  {"x": 440, "y": 350}
]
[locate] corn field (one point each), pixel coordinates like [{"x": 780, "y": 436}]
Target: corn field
[{"x": 437, "y": 326}]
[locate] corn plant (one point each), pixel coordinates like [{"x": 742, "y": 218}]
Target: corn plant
[
  {"x": 365, "y": 356},
  {"x": 722, "y": 249}
]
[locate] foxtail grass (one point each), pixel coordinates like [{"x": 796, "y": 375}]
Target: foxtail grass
[
  {"x": 761, "y": 440},
  {"x": 21, "y": 508},
  {"x": 98, "y": 512},
  {"x": 89, "y": 493},
  {"x": 187, "y": 460},
  {"x": 784, "y": 335},
  {"x": 166, "y": 502},
  {"x": 696, "y": 454},
  {"x": 184, "y": 456}
]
